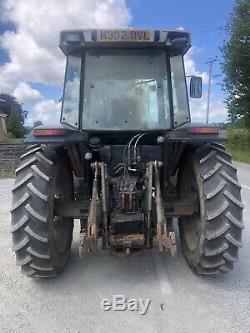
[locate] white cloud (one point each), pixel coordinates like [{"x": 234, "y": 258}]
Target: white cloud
[
  {"x": 198, "y": 109},
  {"x": 191, "y": 66},
  {"x": 24, "y": 93},
  {"x": 32, "y": 48},
  {"x": 180, "y": 28},
  {"x": 47, "y": 111},
  {"x": 32, "y": 45}
]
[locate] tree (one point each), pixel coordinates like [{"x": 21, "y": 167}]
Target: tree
[
  {"x": 37, "y": 123},
  {"x": 16, "y": 115},
  {"x": 14, "y": 125},
  {"x": 236, "y": 63}
]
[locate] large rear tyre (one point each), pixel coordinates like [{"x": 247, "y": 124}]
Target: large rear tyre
[
  {"x": 41, "y": 241},
  {"x": 211, "y": 238}
]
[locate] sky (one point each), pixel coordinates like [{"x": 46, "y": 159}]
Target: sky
[{"x": 32, "y": 66}]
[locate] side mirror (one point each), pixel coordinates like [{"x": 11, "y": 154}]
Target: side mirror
[{"x": 196, "y": 87}]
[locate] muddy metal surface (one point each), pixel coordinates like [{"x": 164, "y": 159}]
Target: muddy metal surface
[{"x": 180, "y": 300}]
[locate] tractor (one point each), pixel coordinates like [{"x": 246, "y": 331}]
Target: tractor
[{"x": 126, "y": 162}]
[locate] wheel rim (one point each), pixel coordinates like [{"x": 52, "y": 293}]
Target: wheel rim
[
  {"x": 60, "y": 233},
  {"x": 191, "y": 225},
  {"x": 192, "y": 232},
  {"x": 61, "y": 229}
]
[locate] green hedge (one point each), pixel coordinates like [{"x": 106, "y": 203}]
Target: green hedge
[{"x": 239, "y": 144}]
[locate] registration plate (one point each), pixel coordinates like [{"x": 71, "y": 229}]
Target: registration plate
[{"x": 125, "y": 36}]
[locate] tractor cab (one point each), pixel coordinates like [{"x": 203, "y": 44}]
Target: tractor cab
[{"x": 125, "y": 80}]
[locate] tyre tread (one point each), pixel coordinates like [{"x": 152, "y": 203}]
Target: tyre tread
[
  {"x": 30, "y": 217},
  {"x": 221, "y": 240}
]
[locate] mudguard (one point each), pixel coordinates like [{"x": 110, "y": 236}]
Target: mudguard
[
  {"x": 197, "y": 132},
  {"x": 55, "y": 134}
]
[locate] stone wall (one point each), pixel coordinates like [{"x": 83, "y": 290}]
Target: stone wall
[{"x": 10, "y": 156}]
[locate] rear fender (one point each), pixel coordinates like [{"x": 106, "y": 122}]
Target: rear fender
[
  {"x": 54, "y": 134},
  {"x": 197, "y": 133}
]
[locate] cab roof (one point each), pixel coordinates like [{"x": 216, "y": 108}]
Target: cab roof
[{"x": 177, "y": 42}]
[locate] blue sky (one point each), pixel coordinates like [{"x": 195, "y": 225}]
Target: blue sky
[
  {"x": 202, "y": 18},
  {"x": 31, "y": 67}
]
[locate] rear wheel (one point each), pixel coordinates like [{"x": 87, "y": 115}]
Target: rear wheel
[
  {"x": 41, "y": 241},
  {"x": 211, "y": 238}
]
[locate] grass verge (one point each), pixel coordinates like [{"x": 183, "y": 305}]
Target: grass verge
[
  {"x": 6, "y": 174},
  {"x": 239, "y": 144},
  {"x": 240, "y": 155}
]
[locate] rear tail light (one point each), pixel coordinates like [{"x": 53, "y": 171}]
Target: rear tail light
[
  {"x": 203, "y": 130},
  {"x": 48, "y": 132}
]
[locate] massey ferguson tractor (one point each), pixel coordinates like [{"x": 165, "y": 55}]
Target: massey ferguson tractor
[{"x": 126, "y": 161}]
